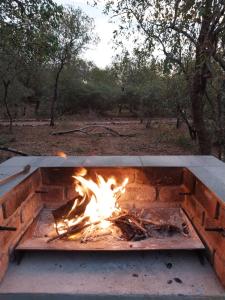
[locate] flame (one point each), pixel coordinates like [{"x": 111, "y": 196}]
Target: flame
[
  {"x": 103, "y": 203},
  {"x": 61, "y": 154}
]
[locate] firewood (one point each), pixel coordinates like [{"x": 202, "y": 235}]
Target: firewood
[
  {"x": 126, "y": 230},
  {"x": 150, "y": 222},
  {"x": 71, "y": 209},
  {"x": 138, "y": 224},
  {"x": 130, "y": 219},
  {"x": 114, "y": 218},
  {"x": 71, "y": 230},
  {"x": 130, "y": 226},
  {"x": 135, "y": 228}
]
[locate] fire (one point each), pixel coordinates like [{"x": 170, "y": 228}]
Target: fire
[
  {"x": 61, "y": 154},
  {"x": 102, "y": 201}
]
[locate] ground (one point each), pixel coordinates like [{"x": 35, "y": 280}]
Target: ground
[{"x": 34, "y": 137}]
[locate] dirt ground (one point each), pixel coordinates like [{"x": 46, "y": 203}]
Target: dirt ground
[{"x": 35, "y": 138}]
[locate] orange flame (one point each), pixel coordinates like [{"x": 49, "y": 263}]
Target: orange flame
[
  {"x": 103, "y": 203},
  {"x": 61, "y": 154}
]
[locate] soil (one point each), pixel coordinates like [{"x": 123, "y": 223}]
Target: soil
[{"x": 34, "y": 138}]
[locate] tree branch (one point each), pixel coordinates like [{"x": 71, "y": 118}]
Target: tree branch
[{"x": 185, "y": 33}]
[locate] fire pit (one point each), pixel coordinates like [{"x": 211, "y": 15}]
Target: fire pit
[
  {"x": 122, "y": 209},
  {"x": 113, "y": 204}
]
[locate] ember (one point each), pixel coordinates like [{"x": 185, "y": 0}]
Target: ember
[{"x": 95, "y": 213}]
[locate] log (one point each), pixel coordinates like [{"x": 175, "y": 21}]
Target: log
[
  {"x": 14, "y": 151},
  {"x": 84, "y": 130},
  {"x": 71, "y": 230},
  {"x": 71, "y": 209}
]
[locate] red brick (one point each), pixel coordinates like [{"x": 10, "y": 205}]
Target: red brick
[
  {"x": 4, "y": 261},
  {"x": 30, "y": 208},
  {"x": 57, "y": 176},
  {"x": 7, "y": 237},
  {"x": 63, "y": 176},
  {"x": 138, "y": 195},
  {"x": 206, "y": 198},
  {"x": 194, "y": 208},
  {"x": 14, "y": 198},
  {"x": 159, "y": 175},
  {"x": 36, "y": 180},
  {"x": 188, "y": 180},
  {"x": 171, "y": 194},
  {"x": 222, "y": 215},
  {"x": 53, "y": 194},
  {"x": 1, "y": 214},
  {"x": 219, "y": 266}
]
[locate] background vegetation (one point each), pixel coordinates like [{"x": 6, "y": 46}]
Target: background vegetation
[{"x": 42, "y": 74}]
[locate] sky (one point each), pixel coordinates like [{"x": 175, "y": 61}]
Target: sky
[{"x": 102, "y": 53}]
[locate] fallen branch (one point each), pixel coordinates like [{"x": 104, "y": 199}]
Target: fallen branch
[
  {"x": 84, "y": 130},
  {"x": 14, "y": 151}
]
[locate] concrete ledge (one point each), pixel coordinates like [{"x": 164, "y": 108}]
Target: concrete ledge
[{"x": 136, "y": 275}]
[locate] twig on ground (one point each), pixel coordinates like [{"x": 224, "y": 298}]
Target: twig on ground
[
  {"x": 14, "y": 151},
  {"x": 90, "y": 128}
]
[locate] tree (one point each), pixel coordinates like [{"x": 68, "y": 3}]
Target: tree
[
  {"x": 181, "y": 29},
  {"x": 74, "y": 32},
  {"x": 24, "y": 38}
]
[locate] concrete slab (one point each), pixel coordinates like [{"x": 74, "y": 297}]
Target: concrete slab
[
  {"x": 167, "y": 160},
  {"x": 55, "y": 161},
  {"x": 140, "y": 275},
  {"x": 213, "y": 177},
  {"x": 10, "y": 170},
  {"x": 18, "y": 161},
  {"x": 112, "y": 161},
  {"x": 181, "y": 161}
]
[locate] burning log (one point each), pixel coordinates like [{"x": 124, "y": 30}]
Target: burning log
[
  {"x": 72, "y": 230},
  {"x": 73, "y": 208}
]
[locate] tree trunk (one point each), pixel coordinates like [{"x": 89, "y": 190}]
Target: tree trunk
[
  {"x": 199, "y": 83},
  {"x": 221, "y": 120},
  {"x": 55, "y": 95},
  {"x": 5, "y": 101},
  {"x": 197, "y": 94}
]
